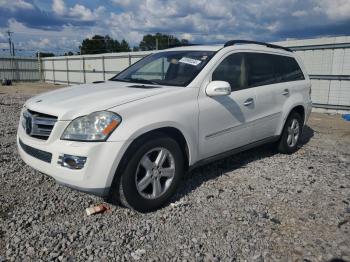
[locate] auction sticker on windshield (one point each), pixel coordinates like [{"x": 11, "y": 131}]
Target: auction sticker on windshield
[{"x": 190, "y": 61}]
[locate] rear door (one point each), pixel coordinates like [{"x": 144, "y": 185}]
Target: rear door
[
  {"x": 290, "y": 80},
  {"x": 262, "y": 78},
  {"x": 275, "y": 78}
]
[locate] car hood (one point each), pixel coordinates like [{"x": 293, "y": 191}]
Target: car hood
[{"x": 71, "y": 102}]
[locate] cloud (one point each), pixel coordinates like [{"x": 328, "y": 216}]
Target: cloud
[
  {"x": 78, "y": 11},
  {"x": 15, "y": 4},
  {"x": 4, "y": 46},
  {"x": 85, "y": 14},
  {"x": 336, "y": 9},
  {"x": 32, "y": 39},
  {"x": 59, "y": 7},
  {"x": 212, "y": 21},
  {"x": 2, "y": 37},
  {"x": 66, "y": 23},
  {"x": 38, "y": 17},
  {"x": 42, "y": 43},
  {"x": 187, "y": 36},
  {"x": 299, "y": 13}
]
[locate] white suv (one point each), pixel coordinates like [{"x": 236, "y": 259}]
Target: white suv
[{"x": 133, "y": 137}]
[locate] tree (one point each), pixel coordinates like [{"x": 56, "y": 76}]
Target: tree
[
  {"x": 124, "y": 46},
  {"x": 160, "y": 41},
  {"x": 103, "y": 44},
  {"x": 44, "y": 54},
  {"x": 69, "y": 53}
]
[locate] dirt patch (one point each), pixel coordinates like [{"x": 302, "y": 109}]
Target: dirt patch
[{"x": 28, "y": 88}]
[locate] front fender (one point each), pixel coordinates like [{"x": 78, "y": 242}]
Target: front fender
[{"x": 191, "y": 144}]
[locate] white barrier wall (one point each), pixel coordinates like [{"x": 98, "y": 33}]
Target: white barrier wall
[
  {"x": 87, "y": 68},
  {"x": 327, "y": 61},
  {"x": 19, "y": 68}
]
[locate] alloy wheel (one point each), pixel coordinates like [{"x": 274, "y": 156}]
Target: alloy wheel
[
  {"x": 293, "y": 133},
  {"x": 155, "y": 173}
]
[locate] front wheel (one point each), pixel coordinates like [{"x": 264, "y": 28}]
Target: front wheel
[
  {"x": 151, "y": 175},
  {"x": 291, "y": 134}
]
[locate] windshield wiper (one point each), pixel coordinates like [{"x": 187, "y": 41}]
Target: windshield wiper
[{"x": 142, "y": 81}]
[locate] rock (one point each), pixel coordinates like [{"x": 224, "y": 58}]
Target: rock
[
  {"x": 210, "y": 258},
  {"x": 275, "y": 220},
  {"x": 138, "y": 254},
  {"x": 54, "y": 255},
  {"x": 265, "y": 215}
]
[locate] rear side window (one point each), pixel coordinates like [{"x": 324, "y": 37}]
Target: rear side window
[
  {"x": 245, "y": 70},
  {"x": 260, "y": 69},
  {"x": 287, "y": 69},
  {"x": 266, "y": 69}
]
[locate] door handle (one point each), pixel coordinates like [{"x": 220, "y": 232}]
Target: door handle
[
  {"x": 248, "y": 102},
  {"x": 285, "y": 92}
]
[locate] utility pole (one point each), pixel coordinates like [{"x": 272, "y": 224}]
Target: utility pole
[
  {"x": 10, "y": 41},
  {"x": 12, "y": 50}
]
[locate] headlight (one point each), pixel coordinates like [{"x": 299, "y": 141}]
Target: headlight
[{"x": 94, "y": 127}]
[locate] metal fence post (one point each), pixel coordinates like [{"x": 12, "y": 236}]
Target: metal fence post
[
  {"x": 103, "y": 68},
  {"x": 12, "y": 69},
  {"x": 129, "y": 59},
  {"x": 53, "y": 71},
  {"x": 39, "y": 67},
  {"x": 67, "y": 68},
  {"x": 84, "y": 70}
]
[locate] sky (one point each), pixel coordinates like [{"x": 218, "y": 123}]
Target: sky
[{"x": 59, "y": 26}]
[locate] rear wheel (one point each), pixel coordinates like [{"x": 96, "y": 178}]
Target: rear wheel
[
  {"x": 151, "y": 174},
  {"x": 291, "y": 134}
]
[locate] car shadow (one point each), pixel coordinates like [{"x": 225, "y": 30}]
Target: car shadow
[
  {"x": 202, "y": 174},
  {"x": 308, "y": 133}
]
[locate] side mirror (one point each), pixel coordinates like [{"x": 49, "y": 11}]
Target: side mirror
[{"x": 218, "y": 88}]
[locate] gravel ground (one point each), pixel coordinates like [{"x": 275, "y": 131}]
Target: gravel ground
[{"x": 254, "y": 206}]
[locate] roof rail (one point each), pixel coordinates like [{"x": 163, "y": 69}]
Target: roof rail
[{"x": 234, "y": 42}]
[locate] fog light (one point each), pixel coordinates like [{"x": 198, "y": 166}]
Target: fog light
[{"x": 71, "y": 162}]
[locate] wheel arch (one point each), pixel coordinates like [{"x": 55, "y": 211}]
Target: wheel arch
[
  {"x": 170, "y": 131},
  {"x": 300, "y": 109}
]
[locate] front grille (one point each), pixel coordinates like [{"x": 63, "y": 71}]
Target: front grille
[
  {"x": 37, "y": 124},
  {"x": 37, "y": 153}
]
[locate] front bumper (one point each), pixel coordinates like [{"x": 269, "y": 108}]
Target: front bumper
[{"x": 95, "y": 177}]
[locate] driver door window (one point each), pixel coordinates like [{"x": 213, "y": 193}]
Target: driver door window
[{"x": 233, "y": 70}]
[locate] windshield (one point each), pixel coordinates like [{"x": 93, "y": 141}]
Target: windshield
[{"x": 173, "y": 68}]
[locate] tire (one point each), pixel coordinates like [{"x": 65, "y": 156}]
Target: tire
[
  {"x": 149, "y": 178},
  {"x": 291, "y": 134}
]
